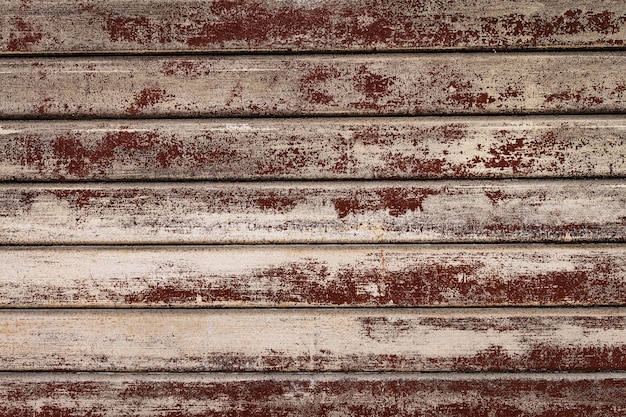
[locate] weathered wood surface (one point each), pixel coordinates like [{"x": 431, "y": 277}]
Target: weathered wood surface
[
  {"x": 501, "y": 339},
  {"x": 314, "y": 212},
  {"x": 262, "y": 276},
  {"x": 325, "y": 395},
  {"x": 43, "y": 26},
  {"x": 386, "y": 84},
  {"x": 355, "y": 148}
]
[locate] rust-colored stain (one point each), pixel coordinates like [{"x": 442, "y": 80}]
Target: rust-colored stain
[
  {"x": 287, "y": 151},
  {"x": 360, "y": 85},
  {"x": 23, "y": 36},
  {"x": 311, "y": 81},
  {"x": 461, "y": 279},
  {"x": 76, "y": 160},
  {"x": 365, "y": 25},
  {"x": 324, "y": 398},
  {"x": 398, "y": 201},
  {"x": 146, "y": 98},
  {"x": 186, "y": 68}
]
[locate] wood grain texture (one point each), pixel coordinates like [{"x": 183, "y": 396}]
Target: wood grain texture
[
  {"x": 314, "y": 212},
  {"x": 385, "y": 84},
  {"x": 348, "y": 148},
  {"x": 381, "y": 275},
  {"x": 43, "y": 26},
  {"x": 339, "y": 395},
  {"x": 528, "y": 339}
]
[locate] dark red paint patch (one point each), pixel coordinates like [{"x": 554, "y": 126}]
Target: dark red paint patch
[
  {"x": 44, "y": 106},
  {"x": 496, "y": 196},
  {"x": 398, "y": 201},
  {"x": 146, "y": 98},
  {"x": 276, "y": 203},
  {"x": 373, "y": 86},
  {"x": 578, "y": 96},
  {"x": 254, "y": 23},
  {"x": 169, "y": 155},
  {"x": 74, "y": 159},
  {"x": 79, "y": 198},
  {"x": 377, "y": 91},
  {"x": 128, "y": 29},
  {"x": 546, "y": 357},
  {"x": 186, "y": 68},
  {"x": 594, "y": 280},
  {"x": 445, "y": 397},
  {"x": 368, "y": 25},
  {"x": 313, "y": 84},
  {"x": 472, "y": 100},
  {"x": 23, "y": 36},
  {"x": 31, "y": 153}
]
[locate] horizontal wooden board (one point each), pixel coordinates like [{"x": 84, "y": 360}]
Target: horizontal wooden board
[
  {"x": 42, "y": 26},
  {"x": 314, "y": 212},
  {"x": 380, "y": 275},
  {"x": 356, "y": 148},
  {"x": 391, "y": 84},
  {"x": 527, "y": 339},
  {"x": 340, "y": 395}
]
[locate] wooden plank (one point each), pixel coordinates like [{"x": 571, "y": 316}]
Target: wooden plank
[
  {"x": 314, "y": 148},
  {"x": 314, "y": 212},
  {"x": 190, "y": 395},
  {"x": 526, "y": 339},
  {"x": 42, "y": 26},
  {"x": 396, "y": 275},
  {"x": 392, "y": 84}
]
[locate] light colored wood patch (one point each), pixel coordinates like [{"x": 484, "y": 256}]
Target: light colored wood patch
[{"x": 591, "y": 339}]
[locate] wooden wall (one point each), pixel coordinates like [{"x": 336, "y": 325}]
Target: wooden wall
[{"x": 312, "y": 208}]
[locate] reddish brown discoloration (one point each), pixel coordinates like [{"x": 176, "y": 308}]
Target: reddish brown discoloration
[
  {"x": 534, "y": 277},
  {"x": 186, "y": 68},
  {"x": 398, "y": 201},
  {"x": 578, "y": 96},
  {"x": 137, "y": 30},
  {"x": 44, "y": 106},
  {"x": 272, "y": 202},
  {"x": 31, "y": 154},
  {"x": 169, "y": 155},
  {"x": 495, "y": 196},
  {"x": 353, "y": 340},
  {"x": 77, "y": 161},
  {"x": 23, "y": 37},
  {"x": 502, "y": 340},
  {"x": 456, "y": 88},
  {"x": 534, "y": 212},
  {"x": 547, "y": 356},
  {"x": 315, "y": 148},
  {"x": 80, "y": 199},
  {"x": 344, "y": 395},
  {"x": 321, "y": 85},
  {"x": 375, "y": 87},
  {"x": 462, "y": 92},
  {"x": 311, "y": 84},
  {"x": 146, "y": 98},
  {"x": 330, "y": 25},
  {"x": 253, "y": 23}
]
